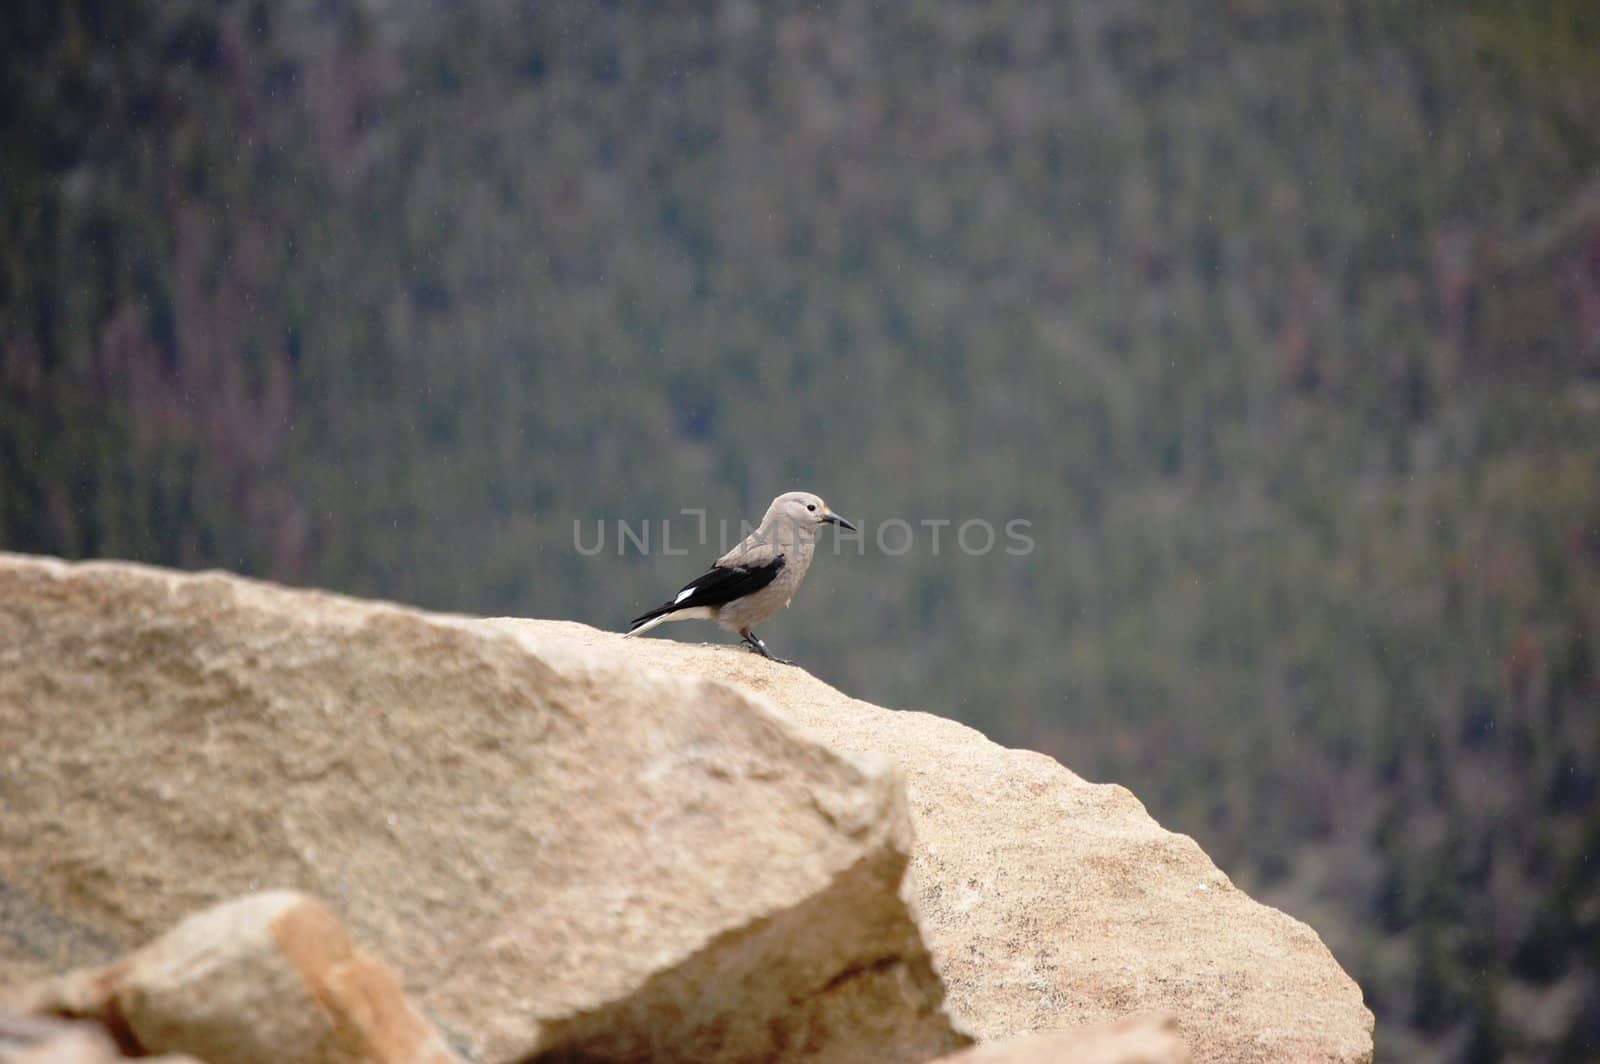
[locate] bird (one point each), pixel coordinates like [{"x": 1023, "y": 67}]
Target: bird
[{"x": 755, "y": 579}]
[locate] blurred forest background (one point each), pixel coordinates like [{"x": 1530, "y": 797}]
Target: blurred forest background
[{"x": 1279, "y": 322}]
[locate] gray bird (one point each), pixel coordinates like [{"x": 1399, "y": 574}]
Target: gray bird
[{"x": 755, "y": 579}]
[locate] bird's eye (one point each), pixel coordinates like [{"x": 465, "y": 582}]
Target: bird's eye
[{"x": 811, "y": 506}]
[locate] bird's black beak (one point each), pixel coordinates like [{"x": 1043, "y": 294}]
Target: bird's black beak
[{"x": 835, "y": 519}]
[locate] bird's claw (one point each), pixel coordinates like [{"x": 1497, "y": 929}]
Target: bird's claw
[
  {"x": 756, "y": 646},
  {"x": 772, "y": 657}
]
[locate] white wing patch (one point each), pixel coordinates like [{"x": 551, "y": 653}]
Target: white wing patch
[{"x": 685, "y": 593}]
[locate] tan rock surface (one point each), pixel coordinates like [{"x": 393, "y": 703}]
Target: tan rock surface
[
  {"x": 1149, "y": 1039},
  {"x": 35, "y": 1040},
  {"x": 265, "y": 979},
  {"x": 565, "y": 853},
  {"x": 303, "y": 739},
  {"x": 29, "y": 1040},
  {"x": 1050, "y": 902}
]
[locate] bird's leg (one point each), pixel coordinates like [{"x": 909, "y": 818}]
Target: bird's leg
[{"x": 754, "y": 642}]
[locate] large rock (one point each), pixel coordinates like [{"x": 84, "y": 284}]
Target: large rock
[
  {"x": 558, "y": 853},
  {"x": 1050, "y": 902},
  {"x": 270, "y": 978},
  {"x": 569, "y": 840}
]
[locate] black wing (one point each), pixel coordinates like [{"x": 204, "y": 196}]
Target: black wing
[{"x": 719, "y": 586}]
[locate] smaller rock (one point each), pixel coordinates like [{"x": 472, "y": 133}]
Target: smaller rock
[
  {"x": 32, "y": 1040},
  {"x": 39, "y": 1040},
  {"x": 270, "y": 978},
  {"x": 1145, "y": 1039}
]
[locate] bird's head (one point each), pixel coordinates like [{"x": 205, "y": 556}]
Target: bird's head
[{"x": 805, "y": 511}]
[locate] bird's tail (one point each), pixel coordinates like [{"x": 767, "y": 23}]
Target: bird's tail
[{"x": 644, "y": 622}]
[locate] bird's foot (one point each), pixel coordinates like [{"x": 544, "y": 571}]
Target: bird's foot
[
  {"x": 778, "y": 660},
  {"x": 756, "y": 645}
]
